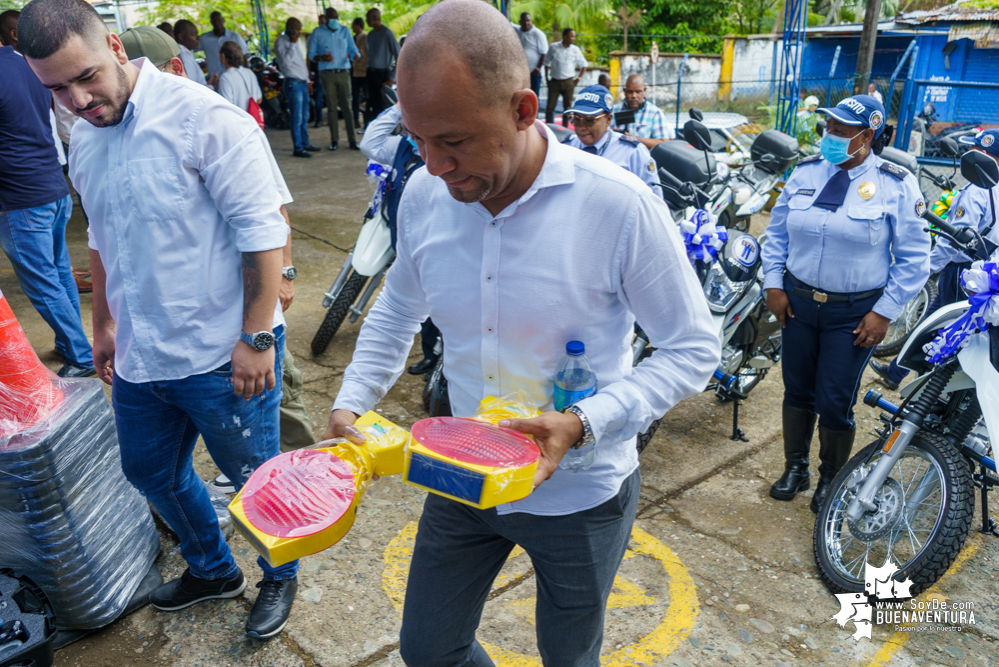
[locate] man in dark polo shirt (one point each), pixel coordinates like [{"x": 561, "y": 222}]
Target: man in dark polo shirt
[{"x": 34, "y": 209}]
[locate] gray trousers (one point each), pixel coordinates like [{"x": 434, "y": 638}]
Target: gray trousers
[
  {"x": 460, "y": 550},
  {"x": 337, "y": 86}
]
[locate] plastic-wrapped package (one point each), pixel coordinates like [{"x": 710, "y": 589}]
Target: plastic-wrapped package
[
  {"x": 474, "y": 461},
  {"x": 302, "y": 502},
  {"x": 69, "y": 519}
]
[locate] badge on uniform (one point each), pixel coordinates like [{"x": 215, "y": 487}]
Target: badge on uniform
[
  {"x": 866, "y": 190},
  {"x": 960, "y": 212},
  {"x": 652, "y": 166},
  {"x": 806, "y": 193},
  {"x": 920, "y": 208}
]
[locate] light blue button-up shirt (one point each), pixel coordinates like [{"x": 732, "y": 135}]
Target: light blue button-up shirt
[
  {"x": 851, "y": 249},
  {"x": 338, "y": 41},
  {"x": 582, "y": 254},
  {"x": 971, "y": 207},
  {"x": 629, "y": 154},
  {"x": 174, "y": 194}
]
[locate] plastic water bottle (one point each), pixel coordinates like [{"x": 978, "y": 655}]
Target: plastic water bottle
[{"x": 574, "y": 382}]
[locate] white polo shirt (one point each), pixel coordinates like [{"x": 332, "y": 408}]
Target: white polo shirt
[{"x": 563, "y": 62}]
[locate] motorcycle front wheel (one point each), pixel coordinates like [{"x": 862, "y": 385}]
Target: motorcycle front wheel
[
  {"x": 911, "y": 317},
  {"x": 338, "y": 311},
  {"x": 924, "y": 513}
]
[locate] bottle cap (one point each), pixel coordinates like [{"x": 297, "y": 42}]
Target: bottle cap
[{"x": 575, "y": 348}]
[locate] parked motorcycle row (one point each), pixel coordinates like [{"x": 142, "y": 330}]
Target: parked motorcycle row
[{"x": 907, "y": 497}]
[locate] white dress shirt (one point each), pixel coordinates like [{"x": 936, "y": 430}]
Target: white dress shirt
[
  {"x": 238, "y": 85},
  {"x": 535, "y": 44},
  {"x": 174, "y": 194},
  {"x": 191, "y": 67},
  {"x": 211, "y": 45},
  {"x": 586, "y": 250},
  {"x": 290, "y": 58},
  {"x": 563, "y": 62}
]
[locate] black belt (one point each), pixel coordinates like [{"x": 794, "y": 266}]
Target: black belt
[
  {"x": 334, "y": 69},
  {"x": 808, "y": 292},
  {"x": 380, "y": 70}
]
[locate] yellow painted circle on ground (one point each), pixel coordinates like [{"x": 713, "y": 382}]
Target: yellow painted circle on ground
[{"x": 674, "y": 627}]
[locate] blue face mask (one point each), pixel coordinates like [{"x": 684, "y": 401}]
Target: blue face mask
[{"x": 835, "y": 149}]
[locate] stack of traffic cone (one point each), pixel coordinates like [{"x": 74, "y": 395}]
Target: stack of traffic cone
[{"x": 27, "y": 392}]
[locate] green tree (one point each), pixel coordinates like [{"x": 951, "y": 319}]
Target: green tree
[{"x": 238, "y": 15}]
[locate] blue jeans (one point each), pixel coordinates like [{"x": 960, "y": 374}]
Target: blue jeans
[
  {"x": 821, "y": 365},
  {"x": 536, "y": 83},
  {"x": 297, "y": 93},
  {"x": 158, "y": 425},
  {"x": 460, "y": 550},
  {"x": 34, "y": 240}
]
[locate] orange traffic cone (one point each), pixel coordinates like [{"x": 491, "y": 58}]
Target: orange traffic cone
[{"x": 27, "y": 393}]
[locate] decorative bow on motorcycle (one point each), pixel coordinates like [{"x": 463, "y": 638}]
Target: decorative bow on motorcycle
[
  {"x": 982, "y": 282},
  {"x": 377, "y": 172},
  {"x": 702, "y": 237}
]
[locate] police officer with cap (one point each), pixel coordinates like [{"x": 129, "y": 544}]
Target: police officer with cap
[
  {"x": 971, "y": 207},
  {"x": 591, "y": 117},
  {"x": 845, "y": 252}
]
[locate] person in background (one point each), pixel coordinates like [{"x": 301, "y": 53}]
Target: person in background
[
  {"x": 237, "y": 83},
  {"x": 295, "y": 424},
  {"x": 808, "y": 106},
  {"x": 383, "y": 49},
  {"x": 34, "y": 208},
  {"x": 872, "y": 90},
  {"x": 359, "y": 81},
  {"x": 604, "y": 80},
  {"x": 184, "y": 296},
  {"x": 971, "y": 207},
  {"x": 650, "y": 126},
  {"x": 318, "y": 94},
  {"x": 846, "y": 249},
  {"x": 535, "y": 45},
  {"x": 591, "y": 117},
  {"x": 211, "y": 44},
  {"x": 155, "y": 45},
  {"x": 167, "y": 28},
  {"x": 562, "y": 62},
  {"x": 186, "y": 34},
  {"x": 8, "y": 28},
  {"x": 291, "y": 62},
  {"x": 333, "y": 49}
]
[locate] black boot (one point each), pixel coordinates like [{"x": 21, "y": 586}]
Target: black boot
[
  {"x": 834, "y": 452},
  {"x": 798, "y": 427}
]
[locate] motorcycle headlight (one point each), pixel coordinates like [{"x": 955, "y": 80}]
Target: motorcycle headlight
[
  {"x": 720, "y": 290},
  {"x": 722, "y": 169}
]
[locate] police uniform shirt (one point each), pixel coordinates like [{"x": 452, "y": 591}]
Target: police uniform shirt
[
  {"x": 851, "y": 249},
  {"x": 971, "y": 208},
  {"x": 625, "y": 152}
]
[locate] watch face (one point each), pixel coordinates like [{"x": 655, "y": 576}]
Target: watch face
[
  {"x": 290, "y": 273},
  {"x": 263, "y": 341}
]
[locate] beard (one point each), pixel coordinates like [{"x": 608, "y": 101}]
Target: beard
[
  {"x": 481, "y": 190},
  {"x": 115, "y": 107}
]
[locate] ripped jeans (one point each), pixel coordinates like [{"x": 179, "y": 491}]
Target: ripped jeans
[{"x": 158, "y": 426}]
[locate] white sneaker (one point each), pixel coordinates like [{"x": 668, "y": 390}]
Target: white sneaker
[{"x": 224, "y": 484}]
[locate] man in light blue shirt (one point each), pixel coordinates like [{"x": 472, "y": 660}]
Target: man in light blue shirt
[
  {"x": 332, "y": 47},
  {"x": 211, "y": 44}
]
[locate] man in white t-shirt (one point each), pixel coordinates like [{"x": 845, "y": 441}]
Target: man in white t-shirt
[
  {"x": 211, "y": 43},
  {"x": 872, "y": 90},
  {"x": 535, "y": 45},
  {"x": 562, "y": 62}
]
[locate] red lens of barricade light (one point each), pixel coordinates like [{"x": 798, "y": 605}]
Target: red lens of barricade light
[
  {"x": 299, "y": 493},
  {"x": 472, "y": 441}
]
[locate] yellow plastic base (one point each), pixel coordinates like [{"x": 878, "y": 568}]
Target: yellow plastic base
[{"x": 381, "y": 454}]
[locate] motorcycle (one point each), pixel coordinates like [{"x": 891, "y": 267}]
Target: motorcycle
[
  {"x": 908, "y": 497},
  {"x": 933, "y": 144},
  {"x": 274, "y": 105}
]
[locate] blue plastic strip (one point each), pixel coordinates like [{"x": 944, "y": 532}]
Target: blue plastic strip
[{"x": 446, "y": 478}]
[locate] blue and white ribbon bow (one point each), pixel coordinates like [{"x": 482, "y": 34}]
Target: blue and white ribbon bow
[
  {"x": 377, "y": 173},
  {"x": 982, "y": 282},
  {"x": 702, "y": 237}
]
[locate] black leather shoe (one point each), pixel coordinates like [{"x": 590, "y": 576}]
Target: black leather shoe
[
  {"x": 313, "y": 149},
  {"x": 302, "y": 154},
  {"x": 355, "y": 147},
  {"x": 189, "y": 589},
  {"x": 834, "y": 452},
  {"x": 74, "y": 371},
  {"x": 335, "y": 145},
  {"x": 881, "y": 370},
  {"x": 423, "y": 366},
  {"x": 273, "y": 607}
]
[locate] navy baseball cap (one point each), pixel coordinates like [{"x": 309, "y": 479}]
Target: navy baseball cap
[
  {"x": 592, "y": 101},
  {"x": 860, "y": 111},
  {"x": 987, "y": 140}
]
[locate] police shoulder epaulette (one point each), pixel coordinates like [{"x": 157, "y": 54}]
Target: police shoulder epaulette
[
  {"x": 811, "y": 158},
  {"x": 631, "y": 141},
  {"x": 893, "y": 169}
]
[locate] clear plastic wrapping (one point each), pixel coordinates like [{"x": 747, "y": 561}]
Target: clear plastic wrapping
[{"x": 69, "y": 519}]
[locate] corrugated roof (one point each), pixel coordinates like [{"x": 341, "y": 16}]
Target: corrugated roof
[{"x": 957, "y": 12}]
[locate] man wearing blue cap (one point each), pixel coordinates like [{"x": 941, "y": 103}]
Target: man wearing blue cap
[
  {"x": 591, "y": 118},
  {"x": 971, "y": 207},
  {"x": 846, "y": 250}
]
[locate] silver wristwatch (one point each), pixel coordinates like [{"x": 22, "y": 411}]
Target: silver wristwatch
[
  {"x": 587, "y": 431},
  {"x": 260, "y": 341},
  {"x": 289, "y": 272}
]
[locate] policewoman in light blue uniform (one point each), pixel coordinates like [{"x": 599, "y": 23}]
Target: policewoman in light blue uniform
[
  {"x": 845, "y": 251},
  {"x": 591, "y": 117},
  {"x": 971, "y": 207}
]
